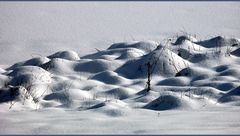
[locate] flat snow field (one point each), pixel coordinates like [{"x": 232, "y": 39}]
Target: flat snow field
[
  {"x": 203, "y": 121},
  {"x": 83, "y": 67}
]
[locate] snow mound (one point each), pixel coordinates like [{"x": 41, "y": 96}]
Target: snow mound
[
  {"x": 187, "y": 74},
  {"x": 32, "y": 62},
  {"x": 95, "y": 66},
  {"x": 119, "y": 93},
  {"x": 235, "y": 91},
  {"x": 175, "y": 81},
  {"x": 60, "y": 97},
  {"x": 164, "y": 62},
  {"x": 196, "y": 72},
  {"x": 29, "y": 75},
  {"x": 183, "y": 38},
  {"x": 111, "y": 108},
  {"x": 58, "y": 65},
  {"x": 69, "y": 55},
  {"x": 184, "y": 53},
  {"x": 232, "y": 96},
  {"x": 109, "y": 77},
  {"x": 28, "y": 70},
  {"x": 219, "y": 41},
  {"x": 220, "y": 85},
  {"x": 166, "y": 102},
  {"x": 129, "y": 54},
  {"x": 236, "y": 52},
  {"x": 230, "y": 72},
  {"x": 221, "y": 68},
  {"x": 145, "y": 46},
  {"x": 118, "y": 53}
]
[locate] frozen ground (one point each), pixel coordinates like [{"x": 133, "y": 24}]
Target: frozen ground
[{"x": 52, "y": 84}]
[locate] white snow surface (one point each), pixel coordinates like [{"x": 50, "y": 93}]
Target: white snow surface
[
  {"x": 53, "y": 81},
  {"x": 109, "y": 86}
]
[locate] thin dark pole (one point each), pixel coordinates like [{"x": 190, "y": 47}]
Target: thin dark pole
[{"x": 149, "y": 66}]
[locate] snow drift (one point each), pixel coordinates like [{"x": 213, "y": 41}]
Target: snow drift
[{"x": 185, "y": 74}]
